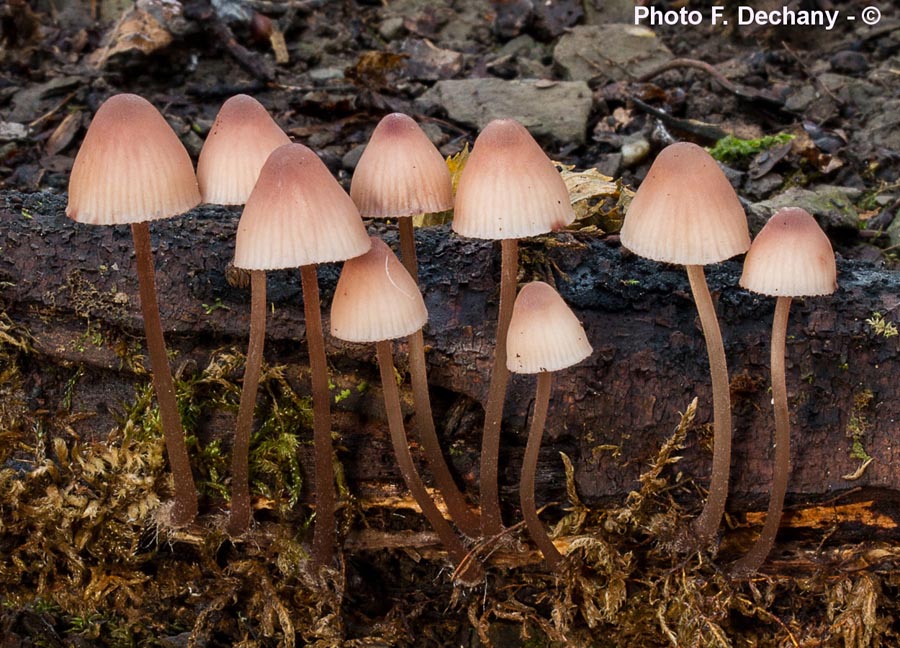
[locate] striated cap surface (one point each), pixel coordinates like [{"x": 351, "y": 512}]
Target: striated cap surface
[
  {"x": 790, "y": 257},
  {"x": 296, "y": 215},
  {"x": 544, "y": 334},
  {"x": 376, "y": 299},
  {"x": 509, "y": 188},
  {"x": 685, "y": 211},
  {"x": 400, "y": 173},
  {"x": 240, "y": 140},
  {"x": 131, "y": 167}
]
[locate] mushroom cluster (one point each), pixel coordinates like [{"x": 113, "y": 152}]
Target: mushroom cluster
[{"x": 296, "y": 215}]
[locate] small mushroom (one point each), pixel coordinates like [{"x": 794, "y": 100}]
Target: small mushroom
[
  {"x": 509, "y": 189},
  {"x": 239, "y": 142},
  {"x": 131, "y": 169},
  {"x": 298, "y": 215},
  {"x": 400, "y": 175},
  {"x": 544, "y": 336},
  {"x": 686, "y": 212},
  {"x": 790, "y": 257},
  {"x": 376, "y": 300}
]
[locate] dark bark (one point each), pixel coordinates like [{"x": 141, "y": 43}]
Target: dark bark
[{"x": 611, "y": 412}]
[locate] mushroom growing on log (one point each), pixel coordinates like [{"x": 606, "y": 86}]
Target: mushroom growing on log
[
  {"x": 131, "y": 169},
  {"x": 508, "y": 190},
  {"x": 686, "y": 212}
]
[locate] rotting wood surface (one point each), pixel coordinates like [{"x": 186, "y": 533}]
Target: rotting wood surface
[{"x": 610, "y": 414}]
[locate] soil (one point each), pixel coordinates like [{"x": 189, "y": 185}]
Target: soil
[{"x": 86, "y": 558}]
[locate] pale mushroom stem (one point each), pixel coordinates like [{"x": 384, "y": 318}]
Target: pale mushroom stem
[
  {"x": 529, "y": 468},
  {"x": 491, "y": 520},
  {"x": 471, "y": 572},
  {"x": 754, "y": 558},
  {"x": 239, "y": 519},
  {"x": 324, "y": 531},
  {"x": 462, "y": 515},
  {"x": 707, "y": 523},
  {"x": 184, "y": 508}
]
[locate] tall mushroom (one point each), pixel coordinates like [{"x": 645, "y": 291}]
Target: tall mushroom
[
  {"x": 239, "y": 142},
  {"x": 131, "y": 169},
  {"x": 544, "y": 336},
  {"x": 508, "y": 190},
  {"x": 376, "y": 300},
  {"x": 790, "y": 257},
  {"x": 238, "y": 145},
  {"x": 400, "y": 175},
  {"x": 298, "y": 215},
  {"x": 686, "y": 212}
]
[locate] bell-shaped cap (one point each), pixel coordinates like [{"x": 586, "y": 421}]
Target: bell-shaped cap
[
  {"x": 297, "y": 215},
  {"x": 685, "y": 211},
  {"x": 400, "y": 172},
  {"x": 238, "y": 144},
  {"x": 790, "y": 257},
  {"x": 509, "y": 189},
  {"x": 376, "y": 299},
  {"x": 131, "y": 167},
  {"x": 544, "y": 334}
]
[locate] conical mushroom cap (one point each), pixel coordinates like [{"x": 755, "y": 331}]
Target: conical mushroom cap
[
  {"x": 509, "y": 189},
  {"x": 130, "y": 168},
  {"x": 544, "y": 334},
  {"x": 238, "y": 144},
  {"x": 685, "y": 211},
  {"x": 790, "y": 257},
  {"x": 400, "y": 172},
  {"x": 296, "y": 215},
  {"x": 376, "y": 299}
]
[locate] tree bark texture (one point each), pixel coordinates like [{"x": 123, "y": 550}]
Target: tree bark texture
[{"x": 60, "y": 280}]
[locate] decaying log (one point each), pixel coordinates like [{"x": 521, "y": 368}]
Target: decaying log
[{"x": 61, "y": 281}]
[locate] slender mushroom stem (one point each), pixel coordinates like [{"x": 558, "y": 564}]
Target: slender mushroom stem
[
  {"x": 473, "y": 572},
  {"x": 323, "y": 534},
  {"x": 491, "y": 520},
  {"x": 707, "y": 523},
  {"x": 184, "y": 508},
  {"x": 754, "y": 558},
  {"x": 462, "y": 515},
  {"x": 529, "y": 468},
  {"x": 239, "y": 519}
]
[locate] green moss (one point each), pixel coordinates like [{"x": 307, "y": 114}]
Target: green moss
[{"x": 731, "y": 149}]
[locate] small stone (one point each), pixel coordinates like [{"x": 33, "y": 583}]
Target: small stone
[
  {"x": 325, "y": 74},
  {"x": 475, "y": 102},
  {"x": 12, "y": 131},
  {"x": 616, "y": 52},
  {"x": 426, "y": 62},
  {"x": 437, "y": 136},
  {"x": 849, "y": 62},
  {"x": 609, "y": 164},
  {"x": 799, "y": 100},
  {"x": 833, "y": 207},
  {"x": 634, "y": 150},
  {"x": 351, "y": 158},
  {"x": 392, "y": 28}
]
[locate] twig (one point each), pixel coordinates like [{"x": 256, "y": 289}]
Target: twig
[
  {"x": 735, "y": 89},
  {"x": 698, "y": 128}
]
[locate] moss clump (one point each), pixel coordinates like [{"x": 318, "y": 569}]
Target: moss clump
[{"x": 732, "y": 150}]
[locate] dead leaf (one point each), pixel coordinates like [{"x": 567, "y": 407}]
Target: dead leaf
[{"x": 64, "y": 133}]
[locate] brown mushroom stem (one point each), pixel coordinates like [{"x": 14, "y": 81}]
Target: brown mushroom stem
[
  {"x": 184, "y": 508},
  {"x": 473, "y": 572},
  {"x": 529, "y": 468},
  {"x": 491, "y": 520},
  {"x": 758, "y": 552},
  {"x": 462, "y": 515},
  {"x": 324, "y": 532},
  {"x": 239, "y": 519},
  {"x": 707, "y": 523}
]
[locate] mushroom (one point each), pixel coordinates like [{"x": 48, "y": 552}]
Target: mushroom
[
  {"x": 508, "y": 189},
  {"x": 790, "y": 257},
  {"x": 298, "y": 215},
  {"x": 544, "y": 336},
  {"x": 686, "y": 212},
  {"x": 376, "y": 300},
  {"x": 131, "y": 169},
  {"x": 400, "y": 175},
  {"x": 238, "y": 144}
]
